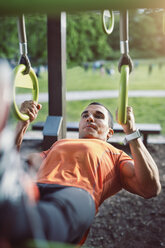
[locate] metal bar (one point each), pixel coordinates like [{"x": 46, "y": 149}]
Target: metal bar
[
  {"x": 57, "y": 64},
  {"x": 56, "y": 71},
  {"x": 52, "y": 131},
  {"x": 21, "y": 29},
  {"x": 16, "y": 7},
  {"x": 22, "y": 35},
  {"x": 124, "y": 35}
]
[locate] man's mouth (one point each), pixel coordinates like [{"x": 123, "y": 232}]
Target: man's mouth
[{"x": 92, "y": 126}]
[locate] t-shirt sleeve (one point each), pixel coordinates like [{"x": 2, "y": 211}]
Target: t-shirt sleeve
[
  {"x": 44, "y": 154},
  {"x": 124, "y": 157}
]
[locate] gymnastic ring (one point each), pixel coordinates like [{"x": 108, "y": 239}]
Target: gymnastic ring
[
  {"x": 27, "y": 81},
  {"x": 123, "y": 95},
  {"x": 108, "y": 20}
]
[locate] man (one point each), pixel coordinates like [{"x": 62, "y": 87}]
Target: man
[{"x": 76, "y": 175}]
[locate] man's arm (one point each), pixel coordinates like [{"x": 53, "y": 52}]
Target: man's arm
[
  {"x": 142, "y": 176},
  {"x": 20, "y": 131},
  {"x": 30, "y": 108},
  {"x": 34, "y": 160}
]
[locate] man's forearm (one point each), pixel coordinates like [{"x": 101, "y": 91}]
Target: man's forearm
[
  {"x": 145, "y": 168},
  {"x": 20, "y": 131},
  {"x": 30, "y": 108},
  {"x": 34, "y": 160}
]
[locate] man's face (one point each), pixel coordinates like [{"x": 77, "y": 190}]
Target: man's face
[{"x": 94, "y": 123}]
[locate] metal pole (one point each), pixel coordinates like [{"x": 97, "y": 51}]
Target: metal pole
[
  {"x": 124, "y": 35},
  {"x": 55, "y": 126}
]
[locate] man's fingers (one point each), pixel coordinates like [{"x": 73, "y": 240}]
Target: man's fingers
[
  {"x": 33, "y": 106},
  {"x": 34, "y": 110},
  {"x": 129, "y": 109},
  {"x": 30, "y": 114},
  {"x": 129, "y": 112},
  {"x": 39, "y": 106},
  {"x": 30, "y": 108}
]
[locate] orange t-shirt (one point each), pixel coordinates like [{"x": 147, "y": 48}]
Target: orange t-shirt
[{"x": 90, "y": 164}]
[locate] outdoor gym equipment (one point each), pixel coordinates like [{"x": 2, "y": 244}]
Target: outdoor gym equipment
[
  {"x": 108, "y": 21},
  {"x": 125, "y": 67},
  {"x": 125, "y": 64},
  {"x": 123, "y": 94},
  {"x": 8, "y": 7},
  {"x": 24, "y": 76}
]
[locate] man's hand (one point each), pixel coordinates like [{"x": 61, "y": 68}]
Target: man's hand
[
  {"x": 140, "y": 176},
  {"x": 130, "y": 126},
  {"x": 31, "y": 108}
]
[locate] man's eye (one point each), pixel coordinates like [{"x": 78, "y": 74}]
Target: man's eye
[
  {"x": 85, "y": 116},
  {"x": 98, "y": 116}
]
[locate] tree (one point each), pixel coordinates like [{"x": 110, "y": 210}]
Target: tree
[
  {"x": 36, "y": 39},
  {"x": 142, "y": 35},
  {"x": 85, "y": 38},
  {"x": 158, "y": 15},
  {"x": 8, "y": 37}
]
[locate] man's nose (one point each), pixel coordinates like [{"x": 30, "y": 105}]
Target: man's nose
[{"x": 90, "y": 118}]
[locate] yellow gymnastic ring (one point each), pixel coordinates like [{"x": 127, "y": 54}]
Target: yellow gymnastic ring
[
  {"x": 123, "y": 95},
  {"x": 28, "y": 81}
]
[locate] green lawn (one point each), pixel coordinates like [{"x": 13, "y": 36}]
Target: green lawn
[
  {"x": 147, "y": 110},
  {"x": 77, "y": 79}
]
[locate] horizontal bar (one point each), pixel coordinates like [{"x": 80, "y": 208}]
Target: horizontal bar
[{"x": 54, "y": 7}]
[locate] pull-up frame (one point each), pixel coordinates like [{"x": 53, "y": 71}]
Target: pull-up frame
[
  {"x": 55, "y": 126},
  {"x": 8, "y": 7}
]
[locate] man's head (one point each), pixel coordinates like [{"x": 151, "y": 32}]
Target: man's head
[{"x": 96, "y": 122}]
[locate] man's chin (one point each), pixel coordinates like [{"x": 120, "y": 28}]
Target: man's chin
[{"x": 88, "y": 136}]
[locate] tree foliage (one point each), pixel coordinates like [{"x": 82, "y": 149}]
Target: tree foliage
[
  {"x": 36, "y": 39},
  {"x": 86, "y": 40},
  {"x": 8, "y": 37},
  {"x": 143, "y": 36}
]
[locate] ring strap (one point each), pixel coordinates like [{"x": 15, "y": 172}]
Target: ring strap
[
  {"x": 23, "y": 43},
  {"x": 125, "y": 58}
]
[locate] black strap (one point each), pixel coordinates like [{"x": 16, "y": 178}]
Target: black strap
[
  {"x": 125, "y": 59},
  {"x": 25, "y": 61}
]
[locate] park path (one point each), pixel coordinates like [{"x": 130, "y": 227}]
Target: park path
[{"x": 99, "y": 94}]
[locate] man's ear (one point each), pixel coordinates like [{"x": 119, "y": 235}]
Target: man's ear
[{"x": 110, "y": 133}]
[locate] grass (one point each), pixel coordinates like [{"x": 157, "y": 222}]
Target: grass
[
  {"x": 78, "y": 80},
  {"x": 147, "y": 110}
]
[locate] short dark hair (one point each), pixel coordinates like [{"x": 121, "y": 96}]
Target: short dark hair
[{"x": 110, "y": 116}]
